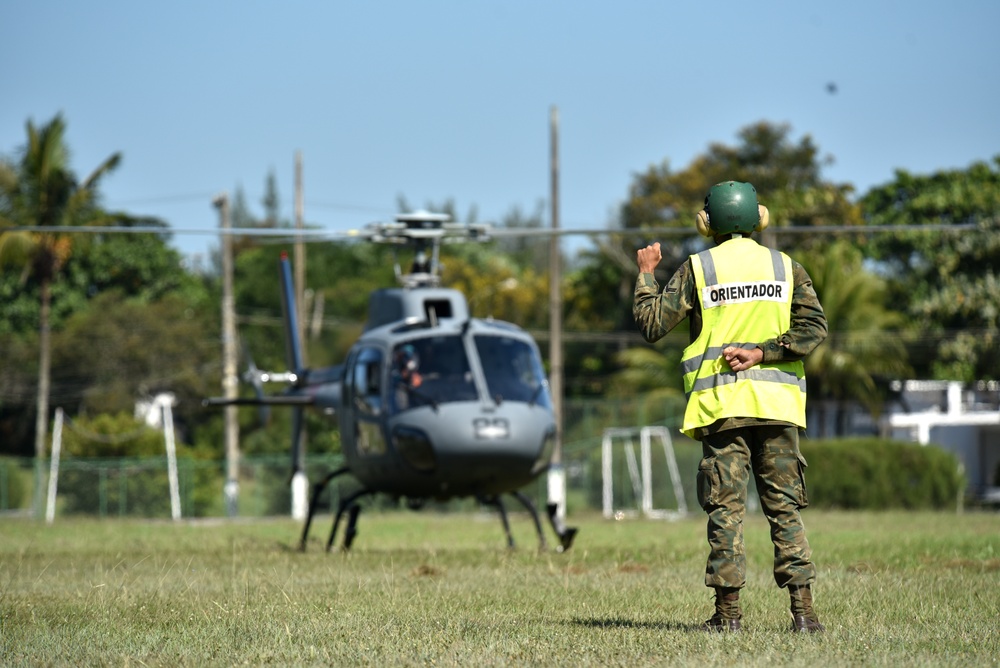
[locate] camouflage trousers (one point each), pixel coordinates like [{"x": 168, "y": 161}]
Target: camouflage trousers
[{"x": 728, "y": 457}]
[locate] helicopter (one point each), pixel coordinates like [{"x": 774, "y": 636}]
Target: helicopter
[{"x": 431, "y": 403}]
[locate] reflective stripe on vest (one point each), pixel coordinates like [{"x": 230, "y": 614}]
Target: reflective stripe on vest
[{"x": 745, "y": 293}]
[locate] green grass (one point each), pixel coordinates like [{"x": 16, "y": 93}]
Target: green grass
[{"x": 422, "y": 589}]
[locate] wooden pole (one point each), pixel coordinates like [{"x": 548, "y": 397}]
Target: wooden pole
[
  {"x": 557, "y": 476},
  {"x": 231, "y": 491},
  {"x": 300, "y": 483}
]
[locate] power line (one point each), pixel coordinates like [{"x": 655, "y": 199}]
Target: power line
[{"x": 165, "y": 199}]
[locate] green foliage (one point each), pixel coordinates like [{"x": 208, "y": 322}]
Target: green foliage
[
  {"x": 863, "y": 345},
  {"x": 111, "y": 435},
  {"x": 14, "y": 483},
  {"x": 40, "y": 189},
  {"x": 340, "y": 277},
  {"x": 143, "y": 266},
  {"x": 120, "y": 349},
  {"x": 134, "y": 486},
  {"x": 875, "y": 474},
  {"x": 787, "y": 175},
  {"x": 596, "y": 294},
  {"x": 947, "y": 283},
  {"x": 497, "y": 288},
  {"x": 651, "y": 372}
]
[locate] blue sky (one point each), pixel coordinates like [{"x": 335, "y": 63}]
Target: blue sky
[{"x": 436, "y": 100}]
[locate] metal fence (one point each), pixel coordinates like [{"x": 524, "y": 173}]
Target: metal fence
[
  {"x": 140, "y": 487},
  {"x": 131, "y": 487}
]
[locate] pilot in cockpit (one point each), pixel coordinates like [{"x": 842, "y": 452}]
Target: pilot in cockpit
[{"x": 406, "y": 374}]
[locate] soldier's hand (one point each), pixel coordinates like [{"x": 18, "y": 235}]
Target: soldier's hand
[
  {"x": 649, "y": 257},
  {"x": 741, "y": 359}
]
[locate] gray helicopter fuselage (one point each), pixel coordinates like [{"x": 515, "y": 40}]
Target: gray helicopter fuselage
[{"x": 435, "y": 404}]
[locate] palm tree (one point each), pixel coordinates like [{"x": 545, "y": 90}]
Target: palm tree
[
  {"x": 42, "y": 192},
  {"x": 864, "y": 343},
  {"x": 652, "y": 374}
]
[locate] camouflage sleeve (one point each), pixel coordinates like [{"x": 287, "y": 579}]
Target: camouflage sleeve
[
  {"x": 655, "y": 312},
  {"x": 808, "y": 328}
]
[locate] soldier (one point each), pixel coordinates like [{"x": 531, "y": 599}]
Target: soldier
[{"x": 754, "y": 316}]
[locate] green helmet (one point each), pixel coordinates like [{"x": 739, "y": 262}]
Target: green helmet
[{"x": 732, "y": 208}]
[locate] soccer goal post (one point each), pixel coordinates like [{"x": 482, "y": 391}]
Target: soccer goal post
[
  {"x": 169, "y": 445},
  {"x": 640, "y": 472}
]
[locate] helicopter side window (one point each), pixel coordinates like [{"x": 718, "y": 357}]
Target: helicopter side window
[
  {"x": 366, "y": 376},
  {"x": 513, "y": 370},
  {"x": 441, "y": 308}
]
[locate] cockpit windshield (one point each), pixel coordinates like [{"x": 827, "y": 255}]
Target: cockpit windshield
[
  {"x": 430, "y": 371},
  {"x": 513, "y": 370}
]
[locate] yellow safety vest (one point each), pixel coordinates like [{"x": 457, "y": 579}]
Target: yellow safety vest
[{"x": 745, "y": 292}]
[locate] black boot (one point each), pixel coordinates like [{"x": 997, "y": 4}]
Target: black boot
[
  {"x": 804, "y": 619},
  {"x": 727, "y": 611}
]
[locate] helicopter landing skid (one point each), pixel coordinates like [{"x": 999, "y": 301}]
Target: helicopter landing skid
[
  {"x": 566, "y": 534},
  {"x": 317, "y": 490},
  {"x": 526, "y": 502},
  {"x": 352, "y": 508},
  {"x": 497, "y": 503},
  {"x": 348, "y": 505}
]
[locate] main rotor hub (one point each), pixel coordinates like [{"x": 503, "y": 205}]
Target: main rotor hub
[
  {"x": 424, "y": 232},
  {"x": 411, "y": 228}
]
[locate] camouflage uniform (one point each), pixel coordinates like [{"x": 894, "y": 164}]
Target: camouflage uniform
[{"x": 733, "y": 447}]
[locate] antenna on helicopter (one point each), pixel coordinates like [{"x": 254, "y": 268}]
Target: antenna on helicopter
[{"x": 424, "y": 232}]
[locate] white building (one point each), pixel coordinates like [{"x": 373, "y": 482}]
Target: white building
[{"x": 963, "y": 420}]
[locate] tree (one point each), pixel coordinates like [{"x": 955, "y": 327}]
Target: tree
[
  {"x": 651, "y": 373},
  {"x": 42, "y": 191},
  {"x": 142, "y": 270},
  {"x": 864, "y": 347},
  {"x": 271, "y": 201},
  {"x": 947, "y": 282},
  {"x": 527, "y": 251},
  {"x": 123, "y": 348},
  {"x": 786, "y": 174}
]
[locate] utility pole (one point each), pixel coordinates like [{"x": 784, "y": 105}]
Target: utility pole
[
  {"x": 299, "y": 257},
  {"x": 231, "y": 491},
  {"x": 300, "y": 482},
  {"x": 557, "y": 474}
]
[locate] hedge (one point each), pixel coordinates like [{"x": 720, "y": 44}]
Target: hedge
[{"x": 877, "y": 474}]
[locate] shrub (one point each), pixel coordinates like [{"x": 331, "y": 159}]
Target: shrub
[
  {"x": 13, "y": 484},
  {"x": 873, "y": 473},
  {"x": 114, "y": 463}
]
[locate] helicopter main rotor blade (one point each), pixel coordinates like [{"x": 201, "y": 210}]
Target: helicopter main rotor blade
[
  {"x": 273, "y": 400},
  {"x": 281, "y": 233},
  {"x": 401, "y": 234}
]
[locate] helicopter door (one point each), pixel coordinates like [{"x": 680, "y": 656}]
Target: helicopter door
[{"x": 364, "y": 376}]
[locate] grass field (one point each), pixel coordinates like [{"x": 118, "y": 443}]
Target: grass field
[{"x": 421, "y": 589}]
